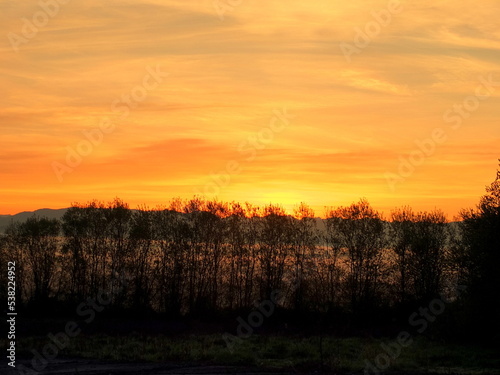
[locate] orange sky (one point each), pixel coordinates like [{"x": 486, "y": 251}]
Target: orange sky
[{"x": 233, "y": 72}]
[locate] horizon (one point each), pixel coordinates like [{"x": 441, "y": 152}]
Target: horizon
[
  {"x": 323, "y": 103},
  {"x": 250, "y": 187},
  {"x": 385, "y": 216}
]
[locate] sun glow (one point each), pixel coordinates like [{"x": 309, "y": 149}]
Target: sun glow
[{"x": 186, "y": 90}]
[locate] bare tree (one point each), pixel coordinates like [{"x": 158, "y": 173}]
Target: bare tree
[
  {"x": 241, "y": 257},
  {"x": 420, "y": 246},
  {"x": 37, "y": 242},
  {"x": 428, "y": 254},
  {"x": 402, "y": 226},
  {"x": 274, "y": 249},
  {"x": 359, "y": 231},
  {"x": 172, "y": 238},
  {"x": 140, "y": 264},
  {"x": 85, "y": 230},
  {"x": 304, "y": 242}
]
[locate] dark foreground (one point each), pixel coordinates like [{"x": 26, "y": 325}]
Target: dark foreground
[
  {"x": 168, "y": 348},
  {"x": 97, "y": 367}
]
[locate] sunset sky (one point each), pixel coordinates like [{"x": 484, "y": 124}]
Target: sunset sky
[{"x": 186, "y": 89}]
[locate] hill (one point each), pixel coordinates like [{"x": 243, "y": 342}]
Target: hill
[{"x": 5, "y": 220}]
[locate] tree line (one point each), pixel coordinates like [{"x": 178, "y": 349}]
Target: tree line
[{"x": 197, "y": 257}]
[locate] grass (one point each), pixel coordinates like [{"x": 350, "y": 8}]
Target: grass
[{"x": 301, "y": 354}]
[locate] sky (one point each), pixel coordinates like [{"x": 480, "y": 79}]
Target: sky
[{"x": 323, "y": 102}]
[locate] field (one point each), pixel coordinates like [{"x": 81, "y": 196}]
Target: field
[{"x": 167, "y": 350}]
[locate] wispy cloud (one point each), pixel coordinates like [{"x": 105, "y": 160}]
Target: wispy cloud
[{"x": 353, "y": 120}]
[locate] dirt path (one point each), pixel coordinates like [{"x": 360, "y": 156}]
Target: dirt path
[{"x": 92, "y": 367}]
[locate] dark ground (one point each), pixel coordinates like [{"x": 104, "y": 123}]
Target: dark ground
[
  {"x": 176, "y": 347},
  {"x": 94, "y": 367}
]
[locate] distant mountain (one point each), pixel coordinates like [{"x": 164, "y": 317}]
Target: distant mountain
[{"x": 5, "y": 220}]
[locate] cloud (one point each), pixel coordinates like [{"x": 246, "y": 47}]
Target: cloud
[{"x": 225, "y": 79}]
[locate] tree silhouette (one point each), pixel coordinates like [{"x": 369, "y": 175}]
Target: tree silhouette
[
  {"x": 359, "y": 230},
  {"x": 36, "y": 243},
  {"x": 481, "y": 233},
  {"x": 200, "y": 258}
]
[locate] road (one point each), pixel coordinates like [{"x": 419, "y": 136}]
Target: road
[{"x": 93, "y": 367}]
